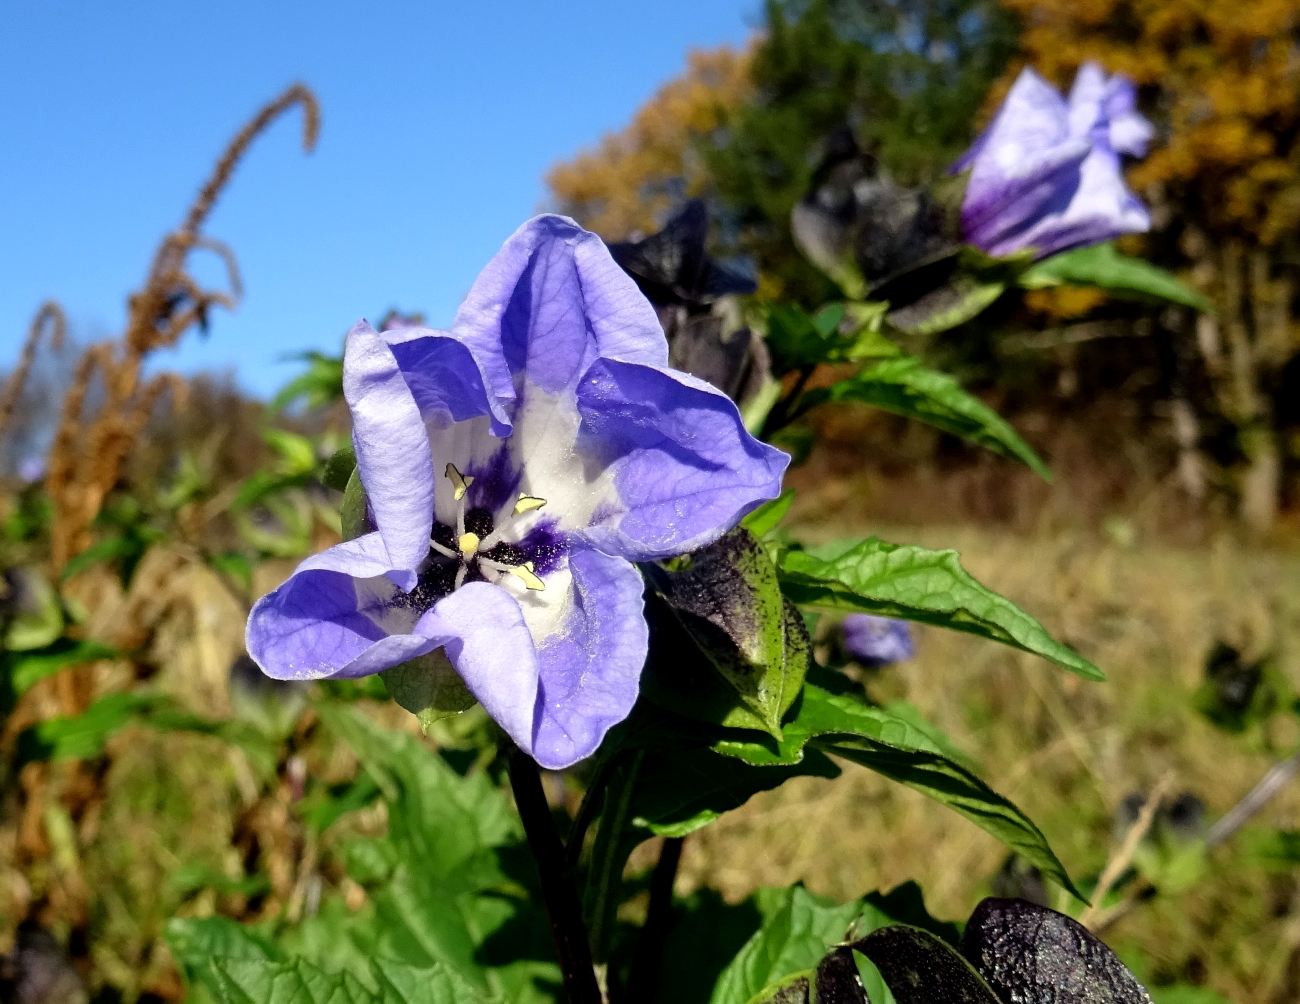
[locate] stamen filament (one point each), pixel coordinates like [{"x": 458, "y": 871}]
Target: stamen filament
[{"x": 446, "y": 552}]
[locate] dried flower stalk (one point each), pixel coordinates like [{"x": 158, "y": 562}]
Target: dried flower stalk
[
  {"x": 89, "y": 451},
  {"x": 50, "y": 317}
]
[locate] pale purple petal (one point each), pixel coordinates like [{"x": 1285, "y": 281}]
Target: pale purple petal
[
  {"x": 334, "y": 618},
  {"x": 684, "y": 469},
  {"x": 482, "y": 630},
  {"x": 445, "y": 379},
  {"x": 590, "y": 665},
  {"x": 393, "y": 459},
  {"x": 549, "y": 303},
  {"x": 1097, "y": 97},
  {"x": 1101, "y": 209},
  {"x": 877, "y": 641}
]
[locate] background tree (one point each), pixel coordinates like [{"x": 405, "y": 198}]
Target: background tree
[
  {"x": 634, "y": 179},
  {"x": 1222, "y": 82}
]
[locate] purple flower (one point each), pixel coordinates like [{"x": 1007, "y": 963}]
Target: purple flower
[
  {"x": 32, "y": 468},
  {"x": 877, "y": 641},
  {"x": 516, "y": 466},
  {"x": 1046, "y": 172}
]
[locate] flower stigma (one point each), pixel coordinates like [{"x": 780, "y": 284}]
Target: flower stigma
[{"x": 476, "y": 537}]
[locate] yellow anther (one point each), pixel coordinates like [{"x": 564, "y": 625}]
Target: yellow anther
[
  {"x": 459, "y": 482},
  {"x": 527, "y": 503},
  {"x": 468, "y": 544},
  {"x": 525, "y": 572}
]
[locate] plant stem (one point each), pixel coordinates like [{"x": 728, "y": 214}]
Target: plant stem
[
  {"x": 781, "y": 415},
  {"x": 558, "y": 892},
  {"x": 644, "y": 985},
  {"x": 587, "y": 811}
]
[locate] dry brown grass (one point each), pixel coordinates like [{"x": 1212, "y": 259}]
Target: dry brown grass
[{"x": 1065, "y": 750}]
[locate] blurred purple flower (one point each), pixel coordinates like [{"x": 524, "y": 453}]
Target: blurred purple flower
[
  {"x": 1046, "y": 172},
  {"x": 32, "y": 468},
  {"x": 877, "y": 641},
  {"x": 516, "y": 466}
]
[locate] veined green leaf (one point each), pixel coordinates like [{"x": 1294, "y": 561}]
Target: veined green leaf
[
  {"x": 905, "y": 387},
  {"x": 1101, "y": 265},
  {"x": 917, "y": 584},
  {"x": 249, "y": 981},
  {"x": 880, "y": 741}
]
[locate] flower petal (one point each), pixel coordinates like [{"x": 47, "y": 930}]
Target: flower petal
[
  {"x": 392, "y": 447},
  {"x": 335, "y": 618},
  {"x": 681, "y": 469},
  {"x": 549, "y": 302},
  {"x": 591, "y": 661},
  {"x": 481, "y": 628},
  {"x": 1095, "y": 97},
  {"x": 445, "y": 379},
  {"x": 1101, "y": 209}
]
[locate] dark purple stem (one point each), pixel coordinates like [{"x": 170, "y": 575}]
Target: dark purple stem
[{"x": 558, "y": 891}]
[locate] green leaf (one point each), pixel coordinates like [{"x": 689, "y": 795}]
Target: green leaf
[
  {"x": 29, "y": 668},
  {"x": 679, "y": 791},
  {"x": 873, "y": 981},
  {"x": 797, "y": 340},
  {"x": 765, "y": 518},
  {"x": 429, "y": 688},
  {"x": 323, "y": 806},
  {"x": 321, "y": 385},
  {"x": 728, "y": 599},
  {"x": 918, "y": 584},
  {"x": 1101, "y": 265},
  {"x": 247, "y": 981},
  {"x": 196, "y": 941},
  {"x": 37, "y": 617},
  {"x": 920, "y": 969},
  {"x": 794, "y": 938},
  {"x": 80, "y": 737},
  {"x": 905, "y": 387},
  {"x": 963, "y": 297},
  {"x": 879, "y": 741},
  {"x": 192, "y": 877}
]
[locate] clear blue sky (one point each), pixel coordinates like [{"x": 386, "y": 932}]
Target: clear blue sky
[{"x": 439, "y": 121}]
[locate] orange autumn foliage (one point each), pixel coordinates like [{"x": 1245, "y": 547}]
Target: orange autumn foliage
[
  {"x": 634, "y": 176},
  {"x": 1225, "y": 78}
]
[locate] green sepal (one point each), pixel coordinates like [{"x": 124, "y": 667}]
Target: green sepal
[
  {"x": 792, "y": 989},
  {"x": 918, "y": 968},
  {"x": 1102, "y": 266},
  {"x": 766, "y": 517},
  {"x": 429, "y": 687},
  {"x": 352, "y": 513},
  {"x": 339, "y": 468},
  {"x": 728, "y": 600},
  {"x": 917, "y": 584},
  {"x": 904, "y": 386}
]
